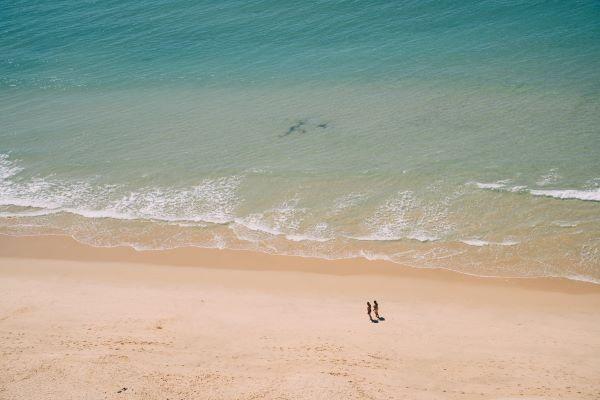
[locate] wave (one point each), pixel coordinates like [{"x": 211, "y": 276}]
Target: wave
[
  {"x": 357, "y": 224},
  {"x": 347, "y": 201},
  {"x": 518, "y": 189},
  {"x": 307, "y": 238},
  {"x": 549, "y": 178},
  {"x": 582, "y": 278},
  {"x": 275, "y": 221},
  {"x": 404, "y": 216},
  {"x": 111, "y": 213},
  {"x": 481, "y": 243},
  {"x": 210, "y": 201},
  {"x": 418, "y": 236},
  {"x": 282, "y": 221},
  {"x": 565, "y": 224},
  {"x": 493, "y": 185},
  {"x": 501, "y": 185},
  {"x": 562, "y": 194},
  {"x": 255, "y": 224},
  {"x": 200, "y": 221},
  {"x": 566, "y": 194},
  {"x": 8, "y": 168}
]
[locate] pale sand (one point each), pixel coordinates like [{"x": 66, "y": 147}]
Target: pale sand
[{"x": 83, "y": 323}]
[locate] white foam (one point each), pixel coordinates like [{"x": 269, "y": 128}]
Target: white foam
[
  {"x": 8, "y": 169},
  {"x": 282, "y": 219},
  {"x": 418, "y": 236},
  {"x": 390, "y": 220},
  {"x": 405, "y": 216},
  {"x": 481, "y": 243},
  {"x": 475, "y": 242},
  {"x": 347, "y": 201},
  {"x": 565, "y": 194},
  {"x": 254, "y": 222},
  {"x": 189, "y": 224},
  {"x": 422, "y": 237},
  {"x": 583, "y": 278},
  {"x": 518, "y": 189},
  {"x": 213, "y": 200},
  {"x": 308, "y": 238},
  {"x": 565, "y": 224},
  {"x": 108, "y": 213},
  {"x": 550, "y": 177},
  {"x": 374, "y": 238},
  {"x": 318, "y": 233},
  {"x": 491, "y": 185},
  {"x": 371, "y": 256}
]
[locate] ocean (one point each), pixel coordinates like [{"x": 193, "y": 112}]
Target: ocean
[{"x": 456, "y": 135}]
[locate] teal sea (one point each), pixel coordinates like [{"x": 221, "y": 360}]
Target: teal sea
[{"x": 435, "y": 134}]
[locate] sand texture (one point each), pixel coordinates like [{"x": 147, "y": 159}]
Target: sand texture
[{"x": 100, "y": 325}]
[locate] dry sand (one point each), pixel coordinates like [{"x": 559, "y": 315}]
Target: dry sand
[{"x": 78, "y": 322}]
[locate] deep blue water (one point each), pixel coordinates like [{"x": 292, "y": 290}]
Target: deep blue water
[{"x": 122, "y": 43}]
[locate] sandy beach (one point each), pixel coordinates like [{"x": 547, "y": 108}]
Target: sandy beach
[
  {"x": 96, "y": 323},
  {"x": 201, "y": 199}
]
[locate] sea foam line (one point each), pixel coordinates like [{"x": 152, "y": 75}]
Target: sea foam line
[
  {"x": 566, "y": 194},
  {"x": 562, "y": 194},
  {"x": 481, "y": 243}
]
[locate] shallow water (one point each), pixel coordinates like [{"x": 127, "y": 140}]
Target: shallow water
[{"x": 433, "y": 135}]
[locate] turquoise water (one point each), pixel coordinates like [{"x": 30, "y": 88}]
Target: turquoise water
[{"x": 433, "y": 134}]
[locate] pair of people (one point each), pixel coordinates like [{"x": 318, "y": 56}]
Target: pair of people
[{"x": 375, "y": 310}]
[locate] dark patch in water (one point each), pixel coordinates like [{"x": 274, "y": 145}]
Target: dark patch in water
[
  {"x": 302, "y": 126},
  {"x": 297, "y": 127}
]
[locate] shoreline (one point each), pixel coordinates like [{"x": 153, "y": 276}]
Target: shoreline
[{"x": 62, "y": 247}]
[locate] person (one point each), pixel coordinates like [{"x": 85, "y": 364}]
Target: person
[
  {"x": 369, "y": 310},
  {"x": 376, "y": 309}
]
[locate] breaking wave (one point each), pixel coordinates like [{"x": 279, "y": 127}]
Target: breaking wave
[{"x": 562, "y": 194}]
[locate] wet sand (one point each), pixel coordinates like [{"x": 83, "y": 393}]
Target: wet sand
[{"x": 82, "y": 322}]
